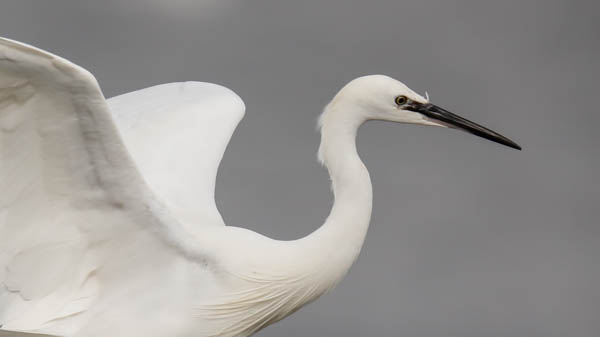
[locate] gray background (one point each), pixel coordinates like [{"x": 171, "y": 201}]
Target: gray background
[{"x": 468, "y": 238}]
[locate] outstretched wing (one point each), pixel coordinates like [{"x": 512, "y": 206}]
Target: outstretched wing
[
  {"x": 176, "y": 134},
  {"x": 76, "y": 217}
]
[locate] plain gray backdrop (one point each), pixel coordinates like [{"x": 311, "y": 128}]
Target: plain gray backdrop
[{"x": 468, "y": 238}]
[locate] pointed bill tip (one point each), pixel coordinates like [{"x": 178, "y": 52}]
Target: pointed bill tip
[{"x": 444, "y": 116}]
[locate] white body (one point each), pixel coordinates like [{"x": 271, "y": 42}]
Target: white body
[{"x": 108, "y": 225}]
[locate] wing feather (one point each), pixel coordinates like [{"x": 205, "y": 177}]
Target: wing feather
[
  {"x": 177, "y": 134},
  {"x": 4, "y": 333},
  {"x": 77, "y": 219}
]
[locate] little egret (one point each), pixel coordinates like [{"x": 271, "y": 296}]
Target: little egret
[{"x": 108, "y": 224}]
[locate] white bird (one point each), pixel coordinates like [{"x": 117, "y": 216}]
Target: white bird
[{"x": 108, "y": 224}]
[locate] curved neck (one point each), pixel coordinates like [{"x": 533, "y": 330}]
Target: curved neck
[{"x": 337, "y": 243}]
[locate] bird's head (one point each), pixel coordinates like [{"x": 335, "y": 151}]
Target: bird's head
[{"x": 379, "y": 97}]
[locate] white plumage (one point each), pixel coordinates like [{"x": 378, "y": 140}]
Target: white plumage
[{"x": 108, "y": 225}]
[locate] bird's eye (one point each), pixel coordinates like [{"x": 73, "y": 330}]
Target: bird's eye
[{"x": 401, "y": 100}]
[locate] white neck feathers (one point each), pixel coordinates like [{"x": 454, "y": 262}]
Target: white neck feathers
[{"x": 337, "y": 243}]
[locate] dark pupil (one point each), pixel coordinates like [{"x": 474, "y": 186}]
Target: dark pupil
[{"x": 400, "y": 100}]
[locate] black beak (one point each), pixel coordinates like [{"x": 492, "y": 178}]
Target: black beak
[{"x": 436, "y": 113}]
